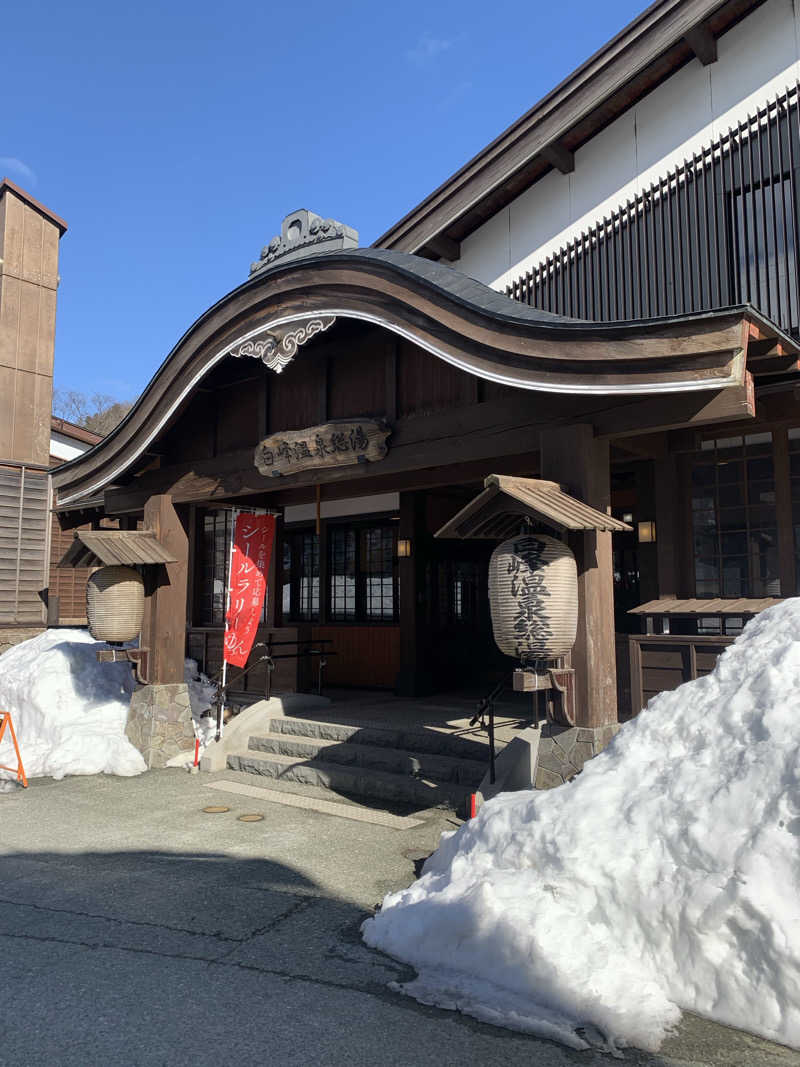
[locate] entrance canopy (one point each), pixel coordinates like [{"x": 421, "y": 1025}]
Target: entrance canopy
[
  {"x": 95, "y": 548},
  {"x": 700, "y": 364},
  {"x": 496, "y": 513}
]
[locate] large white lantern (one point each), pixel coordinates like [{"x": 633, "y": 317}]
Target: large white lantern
[
  {"x": 115, "y": 603},
  {"x": 533, "y": 597}
]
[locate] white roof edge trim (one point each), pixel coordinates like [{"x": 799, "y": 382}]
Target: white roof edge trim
[{"x": 735, "y": 378}]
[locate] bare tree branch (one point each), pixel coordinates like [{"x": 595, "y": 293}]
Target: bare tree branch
[{"x": 99, "y": 413}]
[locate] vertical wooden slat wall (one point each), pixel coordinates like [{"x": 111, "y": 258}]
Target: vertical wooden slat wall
[
  {"x": 24, "y": 542},
  {"x": 67, "y": 583},
  {"x": 722, "y": 228}
]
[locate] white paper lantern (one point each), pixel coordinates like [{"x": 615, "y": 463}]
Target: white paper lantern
[
  {"x": 533, "y": 597},
  {"x": 115, "y": 603}
]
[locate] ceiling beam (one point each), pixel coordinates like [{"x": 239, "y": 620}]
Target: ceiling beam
[
  {"x": 559, "y": 157},
  {"x": 703, "y": 43},
  {"x": 444, "y": 247}
]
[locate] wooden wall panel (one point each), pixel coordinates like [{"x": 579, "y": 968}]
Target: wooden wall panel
[
  {"x": 193, "y": 436},
  {"x": 69, "y": 583},
  {"x": 494, "y": 391},
  {"x": 237, "y": 416},
  {"x": 660, "y": 663},
  {"x": 297, "y": 395},
  {"x": 366, "y": 656},
  {"x": 357, "y": 382},
  {"x": 204, "y": 645},
  {"x": 426, "y": 383}
]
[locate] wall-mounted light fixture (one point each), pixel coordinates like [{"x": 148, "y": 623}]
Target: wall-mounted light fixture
[
  {"x": 403, "y": 547},
  {"x": 627, "y": 516},
  {"x": 647, "y": 532}
]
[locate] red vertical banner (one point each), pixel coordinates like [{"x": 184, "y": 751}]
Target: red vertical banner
[{"x": 253, "y": 538}]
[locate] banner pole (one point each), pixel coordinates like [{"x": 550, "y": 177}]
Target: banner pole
[{"x": 221, "y": 692}]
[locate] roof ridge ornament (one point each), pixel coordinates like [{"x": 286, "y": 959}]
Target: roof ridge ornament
[
  {"x": 276, "y": 346},
  {"x": 304, "y": 233}
]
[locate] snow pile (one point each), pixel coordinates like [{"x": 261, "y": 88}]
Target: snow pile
[
  {"x": 69, "y": 711},
  {"x": 664, "y": 877}
]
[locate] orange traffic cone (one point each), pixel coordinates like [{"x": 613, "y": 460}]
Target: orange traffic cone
[{"x": 19, "y": 770}]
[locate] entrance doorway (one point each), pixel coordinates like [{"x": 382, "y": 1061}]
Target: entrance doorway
[{"x": 458, "y": 626}]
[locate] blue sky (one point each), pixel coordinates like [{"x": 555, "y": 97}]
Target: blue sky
[{"x": 174, "y": 137}]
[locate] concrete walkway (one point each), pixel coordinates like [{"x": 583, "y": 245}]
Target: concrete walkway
[{"x": 136, "y": 929}]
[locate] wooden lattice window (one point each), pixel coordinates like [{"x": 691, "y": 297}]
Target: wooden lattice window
[{"x": 734, "y": 519}]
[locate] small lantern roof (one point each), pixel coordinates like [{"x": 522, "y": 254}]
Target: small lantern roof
[
  {"x": 94, "y": 548},
  {"x": 497, "y": 512}
]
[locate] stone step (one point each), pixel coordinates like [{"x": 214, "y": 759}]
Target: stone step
[
  {"x": 352, "y": 781},
  {"x": 410, "y": 739},
  {"x": 373, "y": 757}
]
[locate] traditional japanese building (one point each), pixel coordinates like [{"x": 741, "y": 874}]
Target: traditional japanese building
[{"x": 605, "y": 298}]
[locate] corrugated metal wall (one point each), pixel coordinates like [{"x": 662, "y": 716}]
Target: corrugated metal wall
[{"x": 24, "y": 543}]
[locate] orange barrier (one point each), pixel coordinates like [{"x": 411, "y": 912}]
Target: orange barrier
[{"x": 19, "y": 770}]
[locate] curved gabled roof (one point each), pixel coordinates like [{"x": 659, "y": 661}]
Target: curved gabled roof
[{"x": 450, "y": 315}]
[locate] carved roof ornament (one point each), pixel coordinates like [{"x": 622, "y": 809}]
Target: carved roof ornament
[
  {"x": 277, "y": 346},
  {"x": 303, "y": 234}
]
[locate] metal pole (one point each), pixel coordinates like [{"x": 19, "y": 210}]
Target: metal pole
[
  {"x": 491, "y": 743},
  {"x": 224, "y": 676}
]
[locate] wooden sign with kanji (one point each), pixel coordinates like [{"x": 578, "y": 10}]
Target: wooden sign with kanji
[{"x": 336, "y": 444}]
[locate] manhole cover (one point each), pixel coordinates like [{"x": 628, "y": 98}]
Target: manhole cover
[
  {"x": 250, "y": 818},
  {"x": 215, "y": 809}
]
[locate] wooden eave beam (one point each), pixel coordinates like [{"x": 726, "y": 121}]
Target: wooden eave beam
[
  {"x": 559, "y": 157},
  {"x": 678, "y": 410},
  {"x": 494, "y": 430},
  {"x": 768, "y": 346},
  {"x": 444, "y": 247},
  {"x": 703, "y": 43},
  {"x": 646, "y": 52},
  {"x": 70, "y": 520},
  {"x": 781, "y": 363},
  {"x": 767, "y": 354}
]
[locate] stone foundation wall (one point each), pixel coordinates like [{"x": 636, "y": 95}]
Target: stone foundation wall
[
  {"x": 160, "y": 722},
  {"x": 15, "y": 635},
  {"x": 564, "y": 750}
]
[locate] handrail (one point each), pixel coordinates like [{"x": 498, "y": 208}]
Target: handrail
[
  {"x": 486, "y": 705},
  {"x": 269, "y": 659}
]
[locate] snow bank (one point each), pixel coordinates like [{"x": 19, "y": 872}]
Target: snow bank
[
  {"x": 664, "y": 877},
  {"x": 69, "y": 711}
]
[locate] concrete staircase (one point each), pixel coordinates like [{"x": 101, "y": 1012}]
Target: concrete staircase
[{"x": 414, "y": 767}]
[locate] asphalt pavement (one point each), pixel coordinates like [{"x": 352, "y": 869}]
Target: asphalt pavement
[{"x": 135, "y": 928}]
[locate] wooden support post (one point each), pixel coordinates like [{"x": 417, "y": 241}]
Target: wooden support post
[
  {"x": 164, "y": 625},
  {"x": 579, "y": 462},
  {"x": 646, "y": 494},
  {"x": 414, "y": 676},
  {"x": 273, "y": 592},
  {"x": 783, "y": 510},
  {"x": 190, "y": 511},
  {"x": 667, "y": 514}
]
